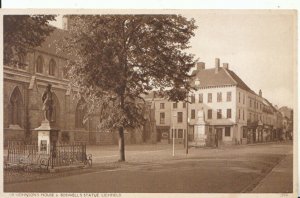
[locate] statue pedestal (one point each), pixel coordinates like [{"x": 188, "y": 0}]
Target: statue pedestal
[
  {"x": 47, "y": 136},
  {"x": 200, "y": 130}
]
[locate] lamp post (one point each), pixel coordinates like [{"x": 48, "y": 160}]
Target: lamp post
[
  {"x": 187, "y": 136},
  {"x": 259, "y": 128},
  {"x": 173, "y": 133},
  {"x": 187, "y": 126}
]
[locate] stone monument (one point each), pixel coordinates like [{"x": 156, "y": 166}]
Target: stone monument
[
  {"x": 47, "y": 133},
  {"x": 200, "y": 129}
]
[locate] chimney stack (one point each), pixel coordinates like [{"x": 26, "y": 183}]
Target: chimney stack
[
  {"x": 217, "y": 64},
  {"x": 65, "y": 21},
  {"x": 225, "y": 65},
  {"x": 200, "y": 66},
  {"x": 260, "y": 93}
]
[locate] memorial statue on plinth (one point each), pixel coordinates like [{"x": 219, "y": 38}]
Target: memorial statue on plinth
[
  {"x": 47, "y": 99},
  {"x": 200, "y": 129},
  {"x": 47, "y": 133}
]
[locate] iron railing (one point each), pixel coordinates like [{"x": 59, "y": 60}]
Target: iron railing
[
  {"x": 65, "y": 155},
  {"x": 28, "y": 156}
]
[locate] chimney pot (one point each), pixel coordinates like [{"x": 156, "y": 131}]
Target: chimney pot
[
  {"x": 200, "y": 66},
  {"x": 260, "y": 93},
  {"x": 225, "y": 66},
  {"x": 217, "y": 64}
]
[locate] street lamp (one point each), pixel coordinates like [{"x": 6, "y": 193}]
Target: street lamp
[
  {"x": 259, "y": 130},
  {"x": 186, "y": 138},
  {"x": 173, "y": 133},
  {"x": 187, "y": 125}
]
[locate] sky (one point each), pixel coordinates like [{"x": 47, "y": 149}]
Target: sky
[{"x": 259, "y": 46}]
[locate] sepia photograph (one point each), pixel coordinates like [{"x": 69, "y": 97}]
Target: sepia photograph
[{"x": 149, "y": 101}]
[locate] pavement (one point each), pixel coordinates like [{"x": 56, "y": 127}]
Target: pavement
[
  {"x": 153, "y": 169},
  {"x": 281, "y": 176}
]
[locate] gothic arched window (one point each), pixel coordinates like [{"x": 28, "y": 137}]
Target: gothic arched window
[
  {"x": 80, "y": 114},
  {"x": 22, "y": 61},
  {"x": 52, "y": 67},
  {"x": 16, "y": 107},
  {"x": 56, "y": 110},
  {"x": 39, "y": 64}
]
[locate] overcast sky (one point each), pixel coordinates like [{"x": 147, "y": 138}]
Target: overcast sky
[{"x": 258, "y": 45}]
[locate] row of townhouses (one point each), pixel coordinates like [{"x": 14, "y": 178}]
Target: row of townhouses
[{"x": 222, "y": 109}]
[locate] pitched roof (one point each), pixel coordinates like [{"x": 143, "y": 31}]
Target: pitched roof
[
  {"x": 240, "y": 83},
  {"x": 50, "y": 44},
  {"x": 270, "y": 104},
  {"x": 210, "y": 78}
]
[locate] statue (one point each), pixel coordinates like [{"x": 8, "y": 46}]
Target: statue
[
  {"x": 47, "y": 103},
  {"x": 201, "y": 117}
]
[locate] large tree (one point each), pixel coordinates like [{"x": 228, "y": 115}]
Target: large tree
[
  {"x": 118, "y": 58},
  {"x": 24, "y": 32}
]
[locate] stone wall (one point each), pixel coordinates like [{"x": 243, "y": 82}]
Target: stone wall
[
  {"x": 13, "y": 135},
  {"x": 31, "y": 88}
]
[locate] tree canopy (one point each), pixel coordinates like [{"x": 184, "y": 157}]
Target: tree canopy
[
  {"x": 24, "y": 32},
  {"x": 118, "y": 58}
]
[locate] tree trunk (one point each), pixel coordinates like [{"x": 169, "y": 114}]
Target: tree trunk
[{"x": 121, "y": 144}]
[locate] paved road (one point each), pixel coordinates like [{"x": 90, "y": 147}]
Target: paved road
[
  {"x": 279, "y": 179},
  {"x": 152, "y": 169}
]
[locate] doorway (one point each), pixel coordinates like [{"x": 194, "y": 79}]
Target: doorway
[{"x": 219, "y": 132}]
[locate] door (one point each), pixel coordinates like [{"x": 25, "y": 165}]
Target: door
[{"x": 220, "y": 134}]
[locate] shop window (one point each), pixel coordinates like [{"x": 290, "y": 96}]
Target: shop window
[
  {"x": 244, "y": 132},
  {"x": 180, "y": 133},
  {"x": 227, "y": 131},
  {"x": 173, "y": 133}
]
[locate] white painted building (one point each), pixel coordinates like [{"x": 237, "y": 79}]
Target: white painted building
[{"x": 221, "y": 108}]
